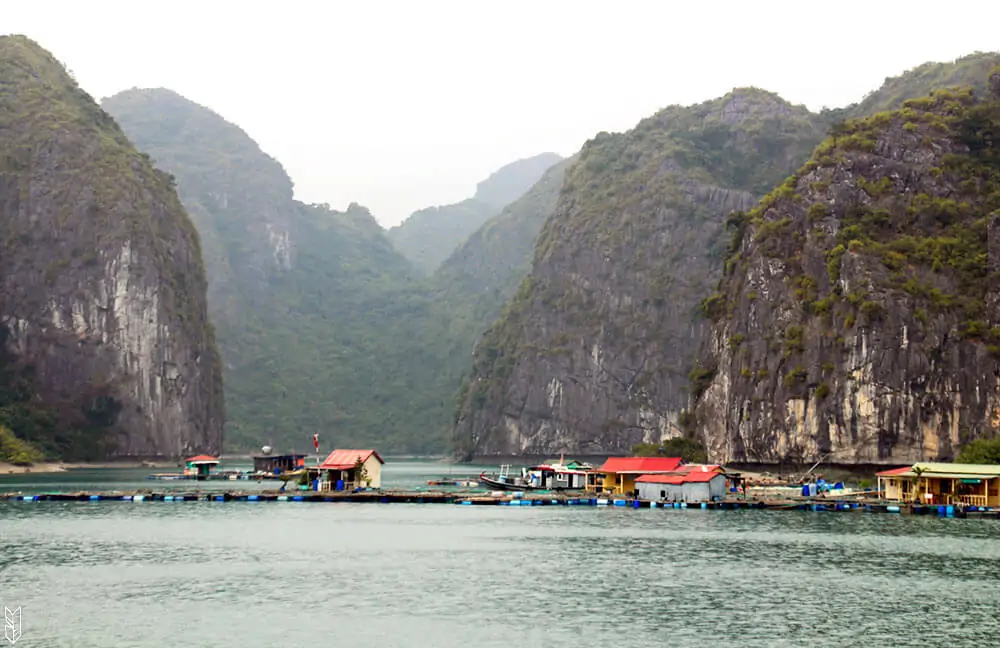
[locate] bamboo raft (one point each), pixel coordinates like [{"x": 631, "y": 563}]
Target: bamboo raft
[{"x": 508, "y": 499}]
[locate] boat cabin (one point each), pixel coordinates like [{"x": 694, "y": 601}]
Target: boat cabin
[
  {"x": 942, "y": 483},
  {"x": 200, "y": 466},
  {"x": 351, "y": 469},
  {"x": 557, "y": 477},
  {"x": 278, "y": 464}
]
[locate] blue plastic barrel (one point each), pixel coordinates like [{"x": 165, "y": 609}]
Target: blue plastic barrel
[{"x": 805, "y": 490}]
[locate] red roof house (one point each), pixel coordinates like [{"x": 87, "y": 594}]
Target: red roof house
[
  {"x": 342, "y": 470},
  {"x": 199, "y": 466},
  {"x": 344, "y": 459},
  {"x": 690, "y": 483}
]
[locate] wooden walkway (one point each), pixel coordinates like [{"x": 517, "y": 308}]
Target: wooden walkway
[{"x": 482, "y": 499}]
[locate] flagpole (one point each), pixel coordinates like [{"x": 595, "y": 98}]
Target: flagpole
[{"x": 316, "y": 446}]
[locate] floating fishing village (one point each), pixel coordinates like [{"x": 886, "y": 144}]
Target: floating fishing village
[{"x": 939, "y": 489}]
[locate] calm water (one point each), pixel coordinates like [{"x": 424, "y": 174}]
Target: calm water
[{"x": 444, "y": 576}]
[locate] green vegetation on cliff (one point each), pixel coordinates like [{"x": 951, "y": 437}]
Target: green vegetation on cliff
[{"x": 687, "y": 449}]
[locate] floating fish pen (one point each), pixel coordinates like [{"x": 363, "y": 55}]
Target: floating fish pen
[{"x": 507, "y": 499}]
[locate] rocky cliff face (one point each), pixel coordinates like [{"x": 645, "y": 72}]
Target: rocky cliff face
[
  {"x": 102, "y": 289},
  {"x": 858, "y": 321},
  {"x": 592, "y": 354}
]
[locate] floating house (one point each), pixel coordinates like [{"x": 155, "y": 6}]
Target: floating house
[
  {"x": 942, "y": 483},
  {"x": 617, "y": 474},
  {"x": 200, "y": 466},
  {"x": 278, "y": 464},
  {"x": 689, "y": 483},
  {"x": 350, "y": 469}
]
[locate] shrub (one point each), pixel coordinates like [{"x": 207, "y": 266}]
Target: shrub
[
  {"x": 822, "y": 391},
  {"x": 871, "y": 310},
  {"x": 833, "y": 262},
  {"x": 976, "y": 329},
  {"x": 714, "y": 306},
  {"x": 980, "y": 451},
  {"x": 701, "y": 378},
  {"x": 823, "y": 306},
  {"x": 817, "y": 211},
  {"x": 794, "y": 377}
]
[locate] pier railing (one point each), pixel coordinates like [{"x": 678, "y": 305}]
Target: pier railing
[{"x": 971, "y": 500}]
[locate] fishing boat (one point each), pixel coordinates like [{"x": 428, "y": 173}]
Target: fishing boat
[
  {"x": 503, "y": 480},
  {"x": 550, "y": 475}
]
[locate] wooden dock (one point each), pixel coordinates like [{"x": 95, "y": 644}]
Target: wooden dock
[{"x": 507, "y": 499}]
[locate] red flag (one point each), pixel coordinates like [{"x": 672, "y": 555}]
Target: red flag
[{"x": 316, "y": 441}]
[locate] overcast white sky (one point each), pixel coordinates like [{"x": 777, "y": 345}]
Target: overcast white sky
[{"x": 406, "y": 104}]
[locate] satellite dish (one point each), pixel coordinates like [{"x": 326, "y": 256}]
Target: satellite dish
[{"x": 266, "y": 450}]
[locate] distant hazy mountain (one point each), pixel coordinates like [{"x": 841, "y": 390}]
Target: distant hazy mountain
[{"x": 428, "y": 236}]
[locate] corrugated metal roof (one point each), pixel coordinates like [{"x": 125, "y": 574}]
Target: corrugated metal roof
[
  {"x": 347, "y": 459},
  {"x": 957, "y": 468},
  {"x": 946, "y": 470},
  {"x": 688, "y": 477},
  {"x": 640, "y": 465},
  {"x": 202, "y": 459}
]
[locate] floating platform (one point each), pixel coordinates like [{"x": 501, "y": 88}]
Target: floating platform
[{"x": 506, "y": 499}]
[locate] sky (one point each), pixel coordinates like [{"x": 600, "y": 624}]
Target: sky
[{"x": 407, "y": 104}]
